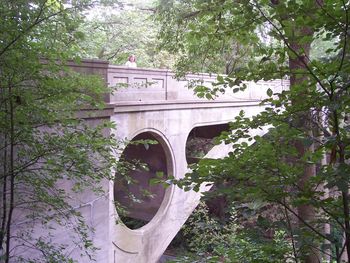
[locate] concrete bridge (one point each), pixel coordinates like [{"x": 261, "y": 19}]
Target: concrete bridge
[{"x": 168, "y": 112}]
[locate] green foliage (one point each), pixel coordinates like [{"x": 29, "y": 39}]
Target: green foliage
[
  {"x": 204, "y": 234},
  {"x": 210, "y": 240},
  {"x": 44, "y": 142},
  {"x": 114, "y": 35},
  {"x": 203, "y": 34},
  {"x": 301, "y": 165}
]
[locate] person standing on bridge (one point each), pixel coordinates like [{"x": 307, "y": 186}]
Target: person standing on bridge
[{"x": 131, "y": 63}]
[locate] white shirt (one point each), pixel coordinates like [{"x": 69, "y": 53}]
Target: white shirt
[{"x": 131, "y": 64}]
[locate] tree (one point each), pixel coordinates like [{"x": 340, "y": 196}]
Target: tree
[
  {"x": 43, "y": 141},
  {"x": 114, "y": 35},
  {"x": 301, "y": 165},
  {"x": 201, "y": 45}
]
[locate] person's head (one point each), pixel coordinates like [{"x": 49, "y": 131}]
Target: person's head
[{"x": 132, "y": 58}]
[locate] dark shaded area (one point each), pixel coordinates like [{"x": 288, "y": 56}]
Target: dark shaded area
[
  {"x": 133, "y": 189},
  {"x": 201, "y": 140}
]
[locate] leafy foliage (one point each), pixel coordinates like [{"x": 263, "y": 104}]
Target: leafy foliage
[
  {"x": 301, "y": 165},
  {"x": 114, "y": 35},
  {"x": 201, "y": 34},
  {"x": 210, "y": 240},
  {"x": 48, "y": 153}
]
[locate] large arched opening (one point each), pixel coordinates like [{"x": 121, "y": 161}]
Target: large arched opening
[{"x": 146, "y": 159}]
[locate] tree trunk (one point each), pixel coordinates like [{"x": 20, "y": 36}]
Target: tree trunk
[{"x": 298, "y": 61}]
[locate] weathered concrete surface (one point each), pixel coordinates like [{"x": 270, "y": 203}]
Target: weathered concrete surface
[
  {"x": 174, "y": 126},
  {"x": 167, "y": 108},
  {"x": 153, "y": 86},
  {"x": 169, "y": 111}
]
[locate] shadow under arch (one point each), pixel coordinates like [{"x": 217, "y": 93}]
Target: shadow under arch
[
  {"x": 201, "y": 140},
  {"x": 146, "y": 157}
]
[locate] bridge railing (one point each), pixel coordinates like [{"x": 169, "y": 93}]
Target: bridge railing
[{"x": 142, "y": 85}]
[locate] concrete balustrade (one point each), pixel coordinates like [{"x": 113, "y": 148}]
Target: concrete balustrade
[{"x": 154, "y": 85}]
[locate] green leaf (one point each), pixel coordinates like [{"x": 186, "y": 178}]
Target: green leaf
[
  {"x": 269, "y": 92},
  {"x": 235, "y": 90}
]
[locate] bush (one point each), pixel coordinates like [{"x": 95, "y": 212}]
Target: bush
[{"x": 209, "y": 240}]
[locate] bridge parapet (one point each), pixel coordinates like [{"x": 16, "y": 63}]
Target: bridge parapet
[{"x": 146, "y": 85}]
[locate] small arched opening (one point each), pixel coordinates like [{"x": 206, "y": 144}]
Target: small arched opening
[{"x": 201, "y": 140}]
